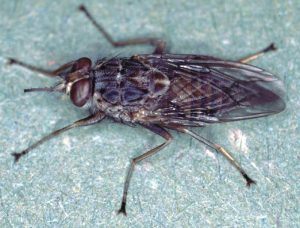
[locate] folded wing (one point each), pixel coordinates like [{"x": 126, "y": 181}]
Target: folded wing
[{"x": 207, "y": 90}]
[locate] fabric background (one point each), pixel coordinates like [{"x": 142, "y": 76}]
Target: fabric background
[{"x": 77, "y": 179}]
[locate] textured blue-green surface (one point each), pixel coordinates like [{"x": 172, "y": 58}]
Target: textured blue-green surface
[{"x": 77, "y": 179}]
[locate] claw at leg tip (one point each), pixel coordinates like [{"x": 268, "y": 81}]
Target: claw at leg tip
[
  {"x": 16, "y": 156},
  {"x": 271, "y": 47},
  {"x": 250, "y": 182},
  {"x": 10, "y": 61},
  {"x": 122, "y": 210},
  {"x": 81, "y": 7}
]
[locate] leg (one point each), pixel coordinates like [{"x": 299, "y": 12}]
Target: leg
[
  {"x": 83, "y": 122},
  {"x": 82, "y": 63},
  {"x": 221, "y": 150},
  {"x": 159, "y": 45},
  {"x": 254, "y": 56},
  {"x": 40, "y": 70},
  {"x": 163, "y": 133}
]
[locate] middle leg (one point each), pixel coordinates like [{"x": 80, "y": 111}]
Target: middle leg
[{"x": 163, "y": 133}]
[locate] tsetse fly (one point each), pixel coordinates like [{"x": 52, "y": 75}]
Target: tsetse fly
[{"x": 161, "y": 91}]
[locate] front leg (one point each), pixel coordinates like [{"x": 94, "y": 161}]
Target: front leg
[
  {"x": 80, "y": 64},
  {"x": 83, "y": 122}
]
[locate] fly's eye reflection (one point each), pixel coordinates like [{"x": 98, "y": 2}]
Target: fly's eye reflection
[{"x": 161, "y": 91}]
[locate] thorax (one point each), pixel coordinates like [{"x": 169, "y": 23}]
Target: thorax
[{"x": 123, "y": 87}]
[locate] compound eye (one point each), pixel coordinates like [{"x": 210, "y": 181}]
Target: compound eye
[
  {"x": 82, "y": 64},
  {"x": 81, "y": 92}
]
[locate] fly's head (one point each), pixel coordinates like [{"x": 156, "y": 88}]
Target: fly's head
[{"x": 77, "y": 82}]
